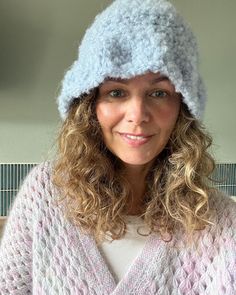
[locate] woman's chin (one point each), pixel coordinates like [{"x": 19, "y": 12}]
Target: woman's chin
[{"x": 136, "y": 162}]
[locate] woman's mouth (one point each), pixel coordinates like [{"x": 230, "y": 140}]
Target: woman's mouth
[{"x": 135, "y": 140}]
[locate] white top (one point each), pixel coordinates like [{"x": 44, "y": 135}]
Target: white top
[{"x": 119, "y": 254}]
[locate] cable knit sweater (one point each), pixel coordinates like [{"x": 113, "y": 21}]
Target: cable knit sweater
[{"x": 42, "y": 253}]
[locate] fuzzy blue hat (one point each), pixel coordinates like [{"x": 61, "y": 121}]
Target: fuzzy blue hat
[{"x": 131, "y": 38}]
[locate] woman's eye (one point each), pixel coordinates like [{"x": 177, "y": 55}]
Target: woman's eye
[
  {"x": 159, "y": 93},
  {"x": 116, "y": 93}
]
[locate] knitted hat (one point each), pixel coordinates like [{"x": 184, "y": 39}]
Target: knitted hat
[{"x": 131, "y": 38}]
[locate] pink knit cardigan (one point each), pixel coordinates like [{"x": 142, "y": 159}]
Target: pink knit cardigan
[{"x": 42, "y": 253}]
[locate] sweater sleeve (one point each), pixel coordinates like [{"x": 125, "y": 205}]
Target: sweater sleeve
[
  {"x": 16, "y": 243},
  {"x": 229, "y": 237}
]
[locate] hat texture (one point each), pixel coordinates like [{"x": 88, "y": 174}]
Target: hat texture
[{"x": 131, "y": 38}]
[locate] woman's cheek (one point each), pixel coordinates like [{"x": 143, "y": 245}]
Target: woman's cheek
[
  {"x": 106, "y": 114},
  {"x": 167, "y": 116}
]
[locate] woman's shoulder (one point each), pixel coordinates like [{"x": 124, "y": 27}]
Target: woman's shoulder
[
  {"x": 223, "y": 204},
  {"x": 33, "y": 194},
  {"x": 224, "y": 207},
  {"x": 40, "y": 174},
  {"x": 41, "y": 168},
  {"x": 36, "y": 185}
]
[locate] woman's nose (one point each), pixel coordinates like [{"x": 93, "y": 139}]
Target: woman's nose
[{"x": 137, "y": 110}]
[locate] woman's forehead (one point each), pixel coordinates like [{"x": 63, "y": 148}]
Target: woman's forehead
[{"x": 148, "y": 77}]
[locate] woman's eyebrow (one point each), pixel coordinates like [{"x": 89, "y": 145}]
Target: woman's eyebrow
[
  {"x": 125, "y": 81},
  {"x": 159, "y": 79}
]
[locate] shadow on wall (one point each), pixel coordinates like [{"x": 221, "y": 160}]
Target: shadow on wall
[{"x": 23, "y": 45}]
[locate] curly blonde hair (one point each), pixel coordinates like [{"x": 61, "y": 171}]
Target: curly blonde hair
[{"x": 95, "y": 192}]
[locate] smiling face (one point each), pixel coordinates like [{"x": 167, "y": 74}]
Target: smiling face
[{"x": 137, "y": 116}]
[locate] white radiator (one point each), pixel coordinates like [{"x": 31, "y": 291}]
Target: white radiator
[{"x": 11, "y": 177}]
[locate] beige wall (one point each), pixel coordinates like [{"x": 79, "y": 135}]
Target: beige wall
[{"x": 39, "y": 41}]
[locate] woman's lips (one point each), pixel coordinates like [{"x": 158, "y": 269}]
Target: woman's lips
[{"x": 135, "y": 140}]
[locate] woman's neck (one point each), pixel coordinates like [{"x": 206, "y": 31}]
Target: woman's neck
[{"x": 136, "y": 176}]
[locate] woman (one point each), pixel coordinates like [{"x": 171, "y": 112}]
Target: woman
[{"x": 127, "y": 206}]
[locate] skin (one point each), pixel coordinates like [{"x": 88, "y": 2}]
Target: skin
[{"x": 146, "y": 105}]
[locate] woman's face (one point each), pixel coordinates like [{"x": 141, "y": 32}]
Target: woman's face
[{"x": 137, "y": 116}]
